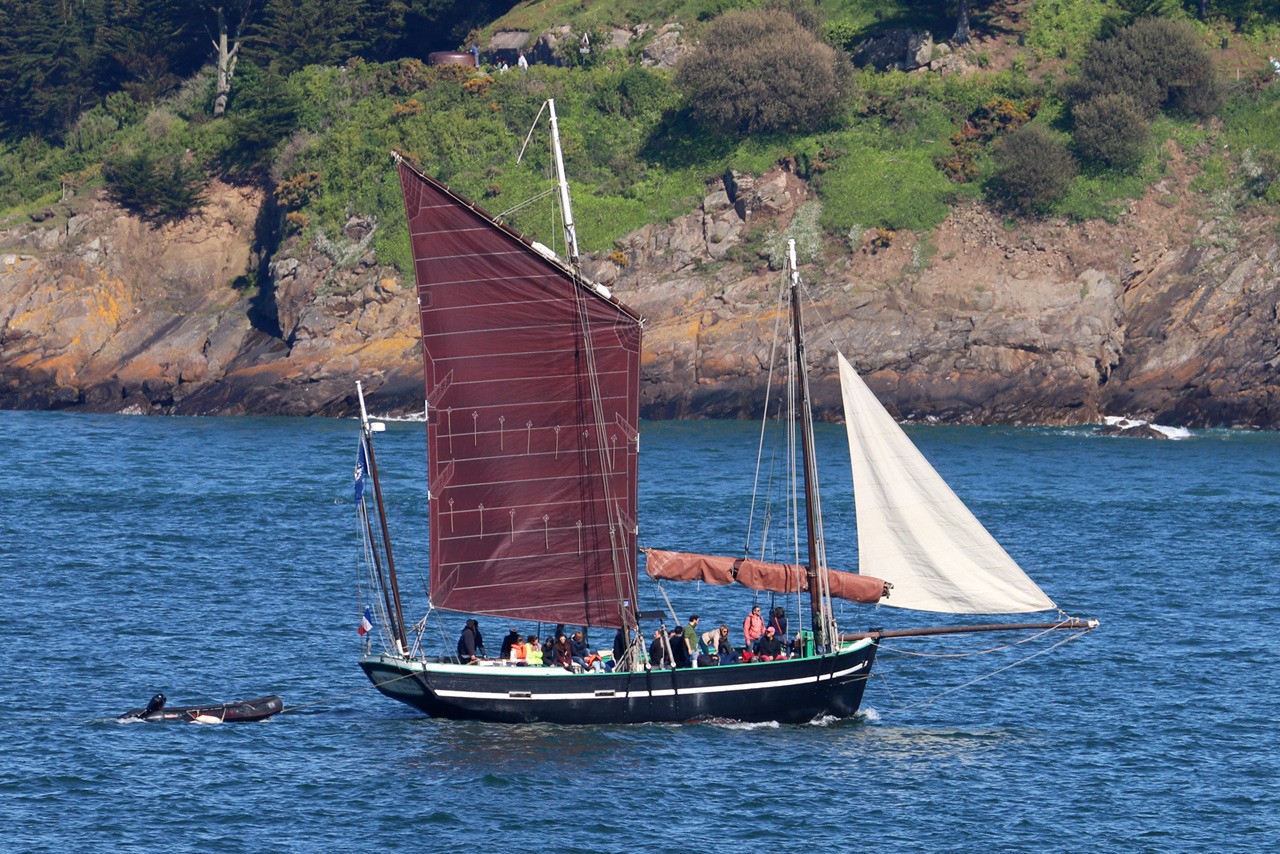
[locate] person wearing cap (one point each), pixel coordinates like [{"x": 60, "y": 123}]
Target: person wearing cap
[
  {"x": 770, "y": 646},
  {"x": 753, "y": 628}
]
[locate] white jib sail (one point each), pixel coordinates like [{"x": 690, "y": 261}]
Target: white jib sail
[{"x": 914, "y": 531}]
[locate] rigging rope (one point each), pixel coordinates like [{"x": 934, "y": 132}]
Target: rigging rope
[
  {"x": 965, "y": 654},
  {"x": 930, "y": 700}
]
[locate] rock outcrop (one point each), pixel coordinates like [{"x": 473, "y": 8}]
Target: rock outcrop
[{"x": 1166, "y": 316}]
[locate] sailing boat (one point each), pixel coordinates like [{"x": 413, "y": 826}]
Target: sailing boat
[{"x": 532, "y": 390}]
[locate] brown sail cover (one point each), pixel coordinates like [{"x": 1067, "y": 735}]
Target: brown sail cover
[
  {"x": 532, "y": 389},
  {"x": 854, "y": 587},
  {"x": 686, "y": 566},
  {"x": 776, "y": 577},
  {"x": 758, "y": 575}
]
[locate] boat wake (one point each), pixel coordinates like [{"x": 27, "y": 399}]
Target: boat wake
[{"x": 744, "y": 726}]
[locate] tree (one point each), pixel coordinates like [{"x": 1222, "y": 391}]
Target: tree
[
  {"x": 230, "y": 25},
  {"x": 1157, "y": 62},
  {"x": 1111, "y": 129},
  {"x": 297, "y": 33},
  {"x": 158, "y": 189},
  {"x": 45, "y": 69},
  {"x": 761, "y": 71},
  {"x": 961, "y": 35},
  {"x": 145, "y": 47},
  {"x": 1033, "y": 169}
]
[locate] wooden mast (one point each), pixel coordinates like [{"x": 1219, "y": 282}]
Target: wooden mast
[
  {"x": 809, "y": 459},
  {"x": 391, "y": 590}
]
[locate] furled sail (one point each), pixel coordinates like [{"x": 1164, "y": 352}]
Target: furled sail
[
  {"x": 758, "y": 575},
  {"x": 532, "y": 389},
  {"x": 914, "y": 531}
]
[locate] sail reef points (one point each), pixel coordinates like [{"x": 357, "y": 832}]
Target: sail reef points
[{"x": 1050, "y": 323}]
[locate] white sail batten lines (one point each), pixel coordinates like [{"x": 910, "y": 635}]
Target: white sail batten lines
[{"x": 912, "y": 528}]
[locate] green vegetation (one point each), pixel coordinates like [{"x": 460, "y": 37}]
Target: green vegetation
[
  {"x": 761, "y": 72},
  {"x": 156, "y": 189},
  {"x": 315, "y": 109},
  {"x": 1034, "y": 169},
  {"x": 1159, "y": 63},
  {"x": 1111, "y": 129}
]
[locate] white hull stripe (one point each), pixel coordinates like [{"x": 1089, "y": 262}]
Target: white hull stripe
[{"x": 661, "y": 692}]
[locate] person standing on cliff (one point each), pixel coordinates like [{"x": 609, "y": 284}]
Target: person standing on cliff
[{"x": 523, "y": 63}]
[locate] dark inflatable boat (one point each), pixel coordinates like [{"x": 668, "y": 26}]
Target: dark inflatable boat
[{"x": 257, "y": 709}]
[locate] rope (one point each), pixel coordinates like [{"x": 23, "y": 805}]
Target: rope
[
  {"x": 525, "y": 203},
  {"x": 928, "y": 701}
]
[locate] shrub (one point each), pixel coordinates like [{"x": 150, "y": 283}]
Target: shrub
[
  {"x": 1111, "y": 129},
  {"x": 1033, "y": 169},
  {"x": 1157, "y": 62},
  {"x": 761, "y": 72},
  {"x": 158, "y": 189}
]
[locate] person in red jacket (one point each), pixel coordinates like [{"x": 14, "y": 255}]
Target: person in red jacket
[{"x": 753, "y": 628}]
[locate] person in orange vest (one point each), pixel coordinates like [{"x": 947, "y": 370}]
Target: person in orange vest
[
  {"x": 519, "y": 652},
  {"x": 753, "y": 628}
]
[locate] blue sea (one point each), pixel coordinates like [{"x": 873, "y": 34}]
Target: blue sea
[{"x": 215, "y": 559}]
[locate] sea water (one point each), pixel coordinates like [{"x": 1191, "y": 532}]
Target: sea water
[{"x": 214, "y": 559}]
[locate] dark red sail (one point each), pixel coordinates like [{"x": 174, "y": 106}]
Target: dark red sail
[{"x": 532, "y": 388}]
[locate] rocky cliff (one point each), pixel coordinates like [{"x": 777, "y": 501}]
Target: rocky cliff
[{"x": 1171, "y": 314}]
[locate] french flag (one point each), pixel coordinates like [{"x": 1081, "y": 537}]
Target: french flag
[{"x": 366, "y": 623}]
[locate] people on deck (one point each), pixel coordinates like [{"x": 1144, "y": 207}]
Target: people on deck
[
  {"x": 578, "y": 650},
  {"x": 658, "y": 650},
  {"x": 621, "y": 643},
  {"x": 724, "y": 649},
  {"x": 753, "y": 628},
  {"x": 690, "y": 637},
  {"x": 778, "y": 619},
  {"x": 471, "y": 643},
  {"x": 707, "y": 641},
  {"x": 513, "y": 637},
  {"x": 679, "y": 649},
  {"x": 532, "y": 651},
  {"x": 770, "y": 648},
  {"x": 563, "y": 655}
]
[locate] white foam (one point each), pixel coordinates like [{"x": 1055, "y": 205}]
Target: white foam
[{"x": 1128, "y": 423}]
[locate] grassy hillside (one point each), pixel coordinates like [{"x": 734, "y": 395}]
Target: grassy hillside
[{"x": 320, "y": 138}]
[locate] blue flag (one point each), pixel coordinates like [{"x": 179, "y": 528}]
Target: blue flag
[{"x": 362, "y": 469}]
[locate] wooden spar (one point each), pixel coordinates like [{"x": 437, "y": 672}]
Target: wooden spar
[
  {"x": 807, "y": 451},
  {"x": 877, "y": 634},
  {"x": 397, "y": 611}
]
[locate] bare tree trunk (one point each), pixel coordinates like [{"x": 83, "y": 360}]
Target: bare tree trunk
[
  {"x": 962, "y": 23},
  {"x": 227, "y": 44}
]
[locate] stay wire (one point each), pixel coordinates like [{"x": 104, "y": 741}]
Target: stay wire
[
  {"x": 1000, "y": 648},
  {"x": 928, "y": 701}
]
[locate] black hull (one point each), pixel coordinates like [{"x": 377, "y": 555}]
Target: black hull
[
  {"x": 257, "y": 709},
  {"x": 795, "y": 691}
]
